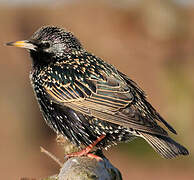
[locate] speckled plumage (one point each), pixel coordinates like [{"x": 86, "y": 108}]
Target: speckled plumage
[{"x": 82, "y": 97}]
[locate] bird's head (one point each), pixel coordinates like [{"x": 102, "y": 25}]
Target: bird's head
[{"x": 49, "y": 43}]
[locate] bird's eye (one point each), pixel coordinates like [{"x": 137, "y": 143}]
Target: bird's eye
[{"x": 45, "y": 45}]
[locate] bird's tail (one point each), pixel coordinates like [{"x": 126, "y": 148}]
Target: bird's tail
[{"x": 165, "y": 146}]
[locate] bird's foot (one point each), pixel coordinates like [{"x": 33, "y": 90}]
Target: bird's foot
[
  {"x": 93, "y": 156},
  {"x": 85, "y": 152}
]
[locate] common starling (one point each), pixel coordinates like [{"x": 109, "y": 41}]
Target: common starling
[{"x": 89, "y": 101}]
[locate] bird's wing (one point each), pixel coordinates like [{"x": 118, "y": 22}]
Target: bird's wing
[
  {"x": 141, "y": 93},
  {"x": 110, "y": 99}
]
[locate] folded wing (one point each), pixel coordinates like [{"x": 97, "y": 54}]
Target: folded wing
[{"x": 109, "y": 98}]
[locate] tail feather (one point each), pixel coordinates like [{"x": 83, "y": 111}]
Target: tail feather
[{"x": 165, "y": 146}]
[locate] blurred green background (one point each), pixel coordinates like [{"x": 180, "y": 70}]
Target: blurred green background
[{"x": 152, "y": 41}]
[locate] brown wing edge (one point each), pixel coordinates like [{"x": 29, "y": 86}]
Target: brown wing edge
[{"x": 143, "y": 96}]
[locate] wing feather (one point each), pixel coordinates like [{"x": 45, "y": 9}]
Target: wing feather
[{"x": 110, "y": 99}]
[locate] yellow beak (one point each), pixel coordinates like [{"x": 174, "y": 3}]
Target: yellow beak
[{"x": 23, "y": 44}]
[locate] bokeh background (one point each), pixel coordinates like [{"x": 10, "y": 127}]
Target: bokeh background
[{"x": 152, "y": 41}]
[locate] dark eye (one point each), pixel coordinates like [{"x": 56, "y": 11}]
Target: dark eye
[{"x": 45, "y": 45}]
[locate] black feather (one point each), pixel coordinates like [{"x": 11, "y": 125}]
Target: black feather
[{"x": 165, "y": 146}]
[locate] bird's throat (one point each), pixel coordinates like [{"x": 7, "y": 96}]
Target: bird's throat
[{"x": 40, "y": 58}]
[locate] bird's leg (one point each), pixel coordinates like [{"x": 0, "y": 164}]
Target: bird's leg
[{"x": 86, "y": 151}]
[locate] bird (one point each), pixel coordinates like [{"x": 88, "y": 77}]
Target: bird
[{"x": 89, "y": 101}]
